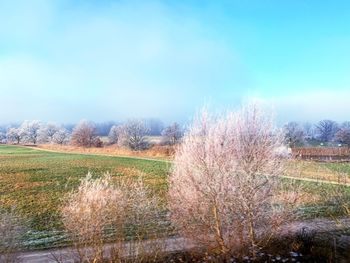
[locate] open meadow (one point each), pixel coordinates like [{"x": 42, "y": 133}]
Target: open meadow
[{"x": 34, "y": 183}]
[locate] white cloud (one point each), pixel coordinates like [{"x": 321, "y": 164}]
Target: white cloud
[{"x": 119, "y": 60}]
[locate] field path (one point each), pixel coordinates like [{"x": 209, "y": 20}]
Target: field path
[
  {"x": 173, "y": 244},
  {"x": 305, "y": 179},
  {"x": 69, "y": 255}
]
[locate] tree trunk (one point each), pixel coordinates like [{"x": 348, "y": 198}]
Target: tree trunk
[{"x": 218, "y": 230}]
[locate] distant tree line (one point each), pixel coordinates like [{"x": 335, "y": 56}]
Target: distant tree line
[
  {"x": 132, "y": 134},
  {"x": 325, "y": 132},
  {"x": 136, "y": 133},
  {"x": 34, "y": 132}
]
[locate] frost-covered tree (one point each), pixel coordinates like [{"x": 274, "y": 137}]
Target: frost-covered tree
[
  {"x": 61, "y": 136},
  {"x": 85, "y": 134},
  {"x": 133, "y": 135},
  {"x": 30, "y": 131},
  {"x": 224, "y": 178},
  {"x": 47, "y": 132},
  {"x": 172, "y": 134},
  {"x": 115, "y": 133},
  {"x": 14, "y": 135},
  {"x": 294, "y": 134}
]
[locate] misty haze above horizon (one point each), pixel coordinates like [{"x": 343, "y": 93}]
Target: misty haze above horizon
[{"x": 64, "y": 61}]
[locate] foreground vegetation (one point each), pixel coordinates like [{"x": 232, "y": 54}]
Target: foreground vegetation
[{"x": 34, "y": 182}]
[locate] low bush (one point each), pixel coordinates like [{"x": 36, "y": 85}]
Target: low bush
[{"x": 125, "y": 213}]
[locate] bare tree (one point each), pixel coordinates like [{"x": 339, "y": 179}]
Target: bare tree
[
  {"x": 343, "y": 136},
  {"x": 223, "y": 180},
  {"x": 14, "y": 135},
  {"x": 61, "y": 136},
  {"x": 115, "y": 133},
  {"x": 172, "y": 134},
  {"x": 30, "y": 131},
  {"x": 294, "y": 134},
  {"x": 326, "y": 130},
  {"x": 84, "y": 134},
  {"x": 133, "y": 134}
]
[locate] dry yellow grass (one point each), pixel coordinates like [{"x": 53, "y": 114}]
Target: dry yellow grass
[{"x": 158, "y": 152}]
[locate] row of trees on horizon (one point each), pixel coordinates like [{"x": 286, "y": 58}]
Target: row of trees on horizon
[
  {"x": 324, "y": 133},
  {"x": 133, "y": 133}
]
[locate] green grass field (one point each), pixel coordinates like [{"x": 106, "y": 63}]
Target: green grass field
[{"x": 34, "y": 183}]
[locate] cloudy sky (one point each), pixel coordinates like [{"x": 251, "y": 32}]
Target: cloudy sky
[{"x": 111, "y": 60}]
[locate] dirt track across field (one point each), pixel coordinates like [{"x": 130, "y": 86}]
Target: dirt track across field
[
  {"x": 173, "y": 244},
  {"x": 69, "y": 255}
]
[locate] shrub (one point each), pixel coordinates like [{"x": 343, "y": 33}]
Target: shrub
[
  {"x": 224, "y": 177},
  {"x": 100, "y": 210},
  {"x": 90, "y": 211},
  {"x": 85, "y": 134}
]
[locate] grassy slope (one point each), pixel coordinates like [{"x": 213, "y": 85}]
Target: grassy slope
[{"x": 35, "y": 181}]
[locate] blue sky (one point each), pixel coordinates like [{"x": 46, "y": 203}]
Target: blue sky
[{"x": 112, "y": 60}]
